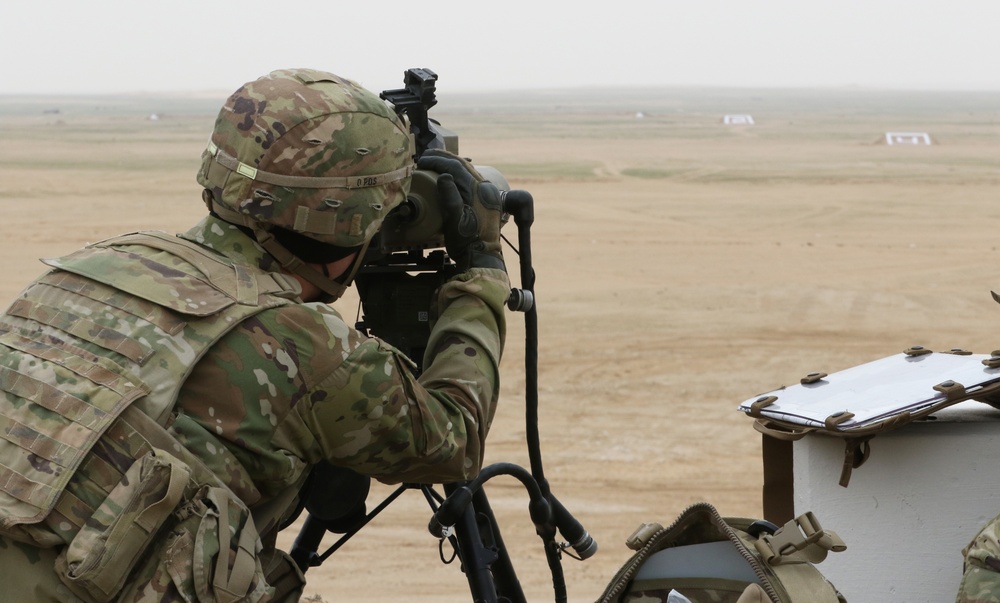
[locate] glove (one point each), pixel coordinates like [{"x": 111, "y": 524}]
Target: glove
[{"x": 472, "y": 209}]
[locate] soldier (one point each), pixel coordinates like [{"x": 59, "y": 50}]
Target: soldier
[
  {"x": 164, "y": 397},
  {"x": 981, "y": 575}
]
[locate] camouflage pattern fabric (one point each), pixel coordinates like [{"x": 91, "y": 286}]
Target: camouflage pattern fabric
[
  {"x": 303, "y": 386},
  {"x": 311, "y": 152},
  {"x": 27, "y": 575},
  {"x": 121, "y": 323},
  {"x": 981, "y": 581},
  {"x": 211, "y": 554},
  {"x": 291, "y": 385}
]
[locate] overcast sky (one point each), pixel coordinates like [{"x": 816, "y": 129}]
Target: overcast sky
[{"x": 111, "y": 46}]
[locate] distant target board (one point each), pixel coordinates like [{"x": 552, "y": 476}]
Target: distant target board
[
  {"x": 738, "y": 120},
  {"x": 910, "y": 138}
]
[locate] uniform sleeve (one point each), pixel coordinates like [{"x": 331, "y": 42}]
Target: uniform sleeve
[{"x": 373, "y": 415}]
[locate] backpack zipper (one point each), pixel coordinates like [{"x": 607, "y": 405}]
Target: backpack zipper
[
  {"x": 624, "y": 576},
  {"x": 751, "y": 558}
]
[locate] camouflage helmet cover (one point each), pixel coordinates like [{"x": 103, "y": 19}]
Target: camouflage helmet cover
[{"x": 310, "y": 152}]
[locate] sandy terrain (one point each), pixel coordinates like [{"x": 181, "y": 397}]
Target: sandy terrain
[{"x": 682, "y": 267}]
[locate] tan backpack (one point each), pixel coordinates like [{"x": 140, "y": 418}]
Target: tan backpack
[{"x": 705, "y": 558}]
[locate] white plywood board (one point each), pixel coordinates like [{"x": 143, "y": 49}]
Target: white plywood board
[{"x": 876, "y": 390}]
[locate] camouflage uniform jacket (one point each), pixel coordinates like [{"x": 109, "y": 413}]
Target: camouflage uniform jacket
[{"x": 285, "y": 386}]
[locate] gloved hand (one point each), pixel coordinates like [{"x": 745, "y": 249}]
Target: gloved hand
[{"x": 472, "y": 210}]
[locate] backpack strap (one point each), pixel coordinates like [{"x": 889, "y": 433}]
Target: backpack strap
[{"x": 801, "y": 539}]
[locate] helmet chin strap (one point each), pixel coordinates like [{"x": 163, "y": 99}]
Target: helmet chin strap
[{"x": 332, "y": 288}]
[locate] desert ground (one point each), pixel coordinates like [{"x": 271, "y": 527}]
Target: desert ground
[{"x": 683, "y": 265}]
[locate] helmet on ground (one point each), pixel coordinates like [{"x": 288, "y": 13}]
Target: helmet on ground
[{"x": 308, "y": 152}]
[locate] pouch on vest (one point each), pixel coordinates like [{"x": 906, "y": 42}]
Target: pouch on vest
[
  {"x": 120, "y": 323},
  {"x": 210, "y": 553},
  {"x": 100, "y": 558},
  {"x": 705, "y": 558}
]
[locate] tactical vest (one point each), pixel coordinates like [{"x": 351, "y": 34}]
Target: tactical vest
[{"x": 119, "y": 323}]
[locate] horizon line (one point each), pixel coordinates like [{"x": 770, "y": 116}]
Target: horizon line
[{"x": 547, "y": 89}]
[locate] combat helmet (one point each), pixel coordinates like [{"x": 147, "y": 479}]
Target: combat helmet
[{"x": 309, "y": 155}]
